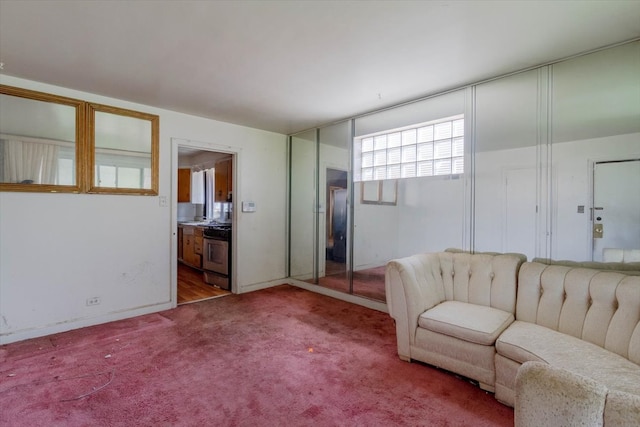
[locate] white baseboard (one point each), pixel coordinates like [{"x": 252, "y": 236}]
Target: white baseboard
[
  {"x": 125, "y": 314},
  {"x": 365, "y": 302},
  {"x": 69, "y": 325},
  {"x": 262, "y": 285}
]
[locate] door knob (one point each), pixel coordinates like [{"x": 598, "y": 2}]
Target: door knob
[{"x": 597, "y": 231}]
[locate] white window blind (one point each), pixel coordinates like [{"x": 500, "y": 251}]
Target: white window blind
[{"x": 430, "y": 149}]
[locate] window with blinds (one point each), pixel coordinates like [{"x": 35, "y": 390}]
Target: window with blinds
[{"x": 430, "y": 149}]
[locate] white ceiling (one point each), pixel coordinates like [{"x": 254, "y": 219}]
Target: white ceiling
[{"x": 286, "y": 66}]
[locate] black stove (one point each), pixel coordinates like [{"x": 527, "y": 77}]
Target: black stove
[
  {"x": 218, "y": 231},
  {"x": 216, "y": 255}
]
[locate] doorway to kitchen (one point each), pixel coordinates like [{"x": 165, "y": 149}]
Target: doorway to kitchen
[
  {"x": 193, "y": 288},
  {"x": 204, "y": 216}
]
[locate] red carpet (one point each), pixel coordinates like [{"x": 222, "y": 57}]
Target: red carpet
[{"x": 277, "y": 357}]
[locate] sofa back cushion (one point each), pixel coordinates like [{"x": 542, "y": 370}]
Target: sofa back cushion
[
  {"x": 483, "y": 279},
  {"x": 601, "y": 307},
  {"x": 629, "y": 268}
]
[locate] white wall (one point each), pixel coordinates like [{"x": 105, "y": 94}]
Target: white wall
[
  {"x": 571, "y": 186},
  {"x": 431, "y": 214},
  {"x": 428, "y": 217},
  {"x": 375, "y": 239},
  {"x": 573, "y": 168},
  {"x": 57, "y": 250}
]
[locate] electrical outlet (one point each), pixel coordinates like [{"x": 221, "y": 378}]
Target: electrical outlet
[
  {"x": 93, "y": 301},
  {"x": 162, "y": 200}
]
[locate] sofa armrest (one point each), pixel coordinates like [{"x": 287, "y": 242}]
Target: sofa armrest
[
  {"x": 550, "y": 396},
  {"x": 412, "y": 285}
]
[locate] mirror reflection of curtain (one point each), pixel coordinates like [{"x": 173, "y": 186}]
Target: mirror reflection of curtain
[
  {"x": 24, "y": 161},
  {"x": 209, "y": 178},
  {"x": 197, "y": 187}
]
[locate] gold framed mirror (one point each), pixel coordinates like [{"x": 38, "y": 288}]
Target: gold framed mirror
[
  {"x": 123, "y": 147},
  {"x": 41, "y": 141}
]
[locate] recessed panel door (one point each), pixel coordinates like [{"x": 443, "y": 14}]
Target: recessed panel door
[{"x": 616, "y": 206}]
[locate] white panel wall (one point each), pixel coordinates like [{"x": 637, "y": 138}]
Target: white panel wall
[
  {"x": 507, "y": 133},
  {"x": 430, "y": 215},
  {"x": 492, "y": 168},
  {"x": 57, "y": 250},
  {"x": 375, "y": 239}
]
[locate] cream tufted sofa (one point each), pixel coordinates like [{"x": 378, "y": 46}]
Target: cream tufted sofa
[
  {"x": 554, "y": 397},
  {"x": 584, "y": 320},
  {"x": 460, "y": 312},
  {"x": 449, "y": 308}
]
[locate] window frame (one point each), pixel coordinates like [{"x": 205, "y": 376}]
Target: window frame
[{"x": 379, "y": 192}]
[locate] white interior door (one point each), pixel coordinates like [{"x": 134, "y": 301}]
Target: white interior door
[
  {"x": 520, "y": 212},
  {"x": 616, "y": 206}
]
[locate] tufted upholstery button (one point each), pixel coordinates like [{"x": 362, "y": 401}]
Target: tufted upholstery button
[
  {"x": 541, "y": 291},
  {"x": 615, "y": 305},
  {"x": 470, "y": 273},
  {"x": 492, "y": 275},
  {"x": 453, "y": 273},
  {"x": 590, "y": 301}
]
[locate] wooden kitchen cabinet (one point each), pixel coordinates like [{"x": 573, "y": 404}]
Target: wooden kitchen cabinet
[
  {"x": 189, "y": 244},
  {"x": 197, "y": 241},
  {"x": 223, "y": 180},
  {"x": 184, "y": 185}
]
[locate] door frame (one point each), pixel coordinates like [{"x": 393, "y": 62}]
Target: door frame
[
  {"x": 173, "y": 257},
  {"x": 322, "y": 240}
]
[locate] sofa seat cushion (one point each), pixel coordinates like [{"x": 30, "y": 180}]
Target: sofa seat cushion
[
  {"x": 470, "y": 322},
  {"x": 524, "y": 341}
]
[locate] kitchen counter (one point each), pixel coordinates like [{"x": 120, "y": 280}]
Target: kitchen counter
[
  {"x": 194, "y": 223},
  {"x": 203, "y": 223}
]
